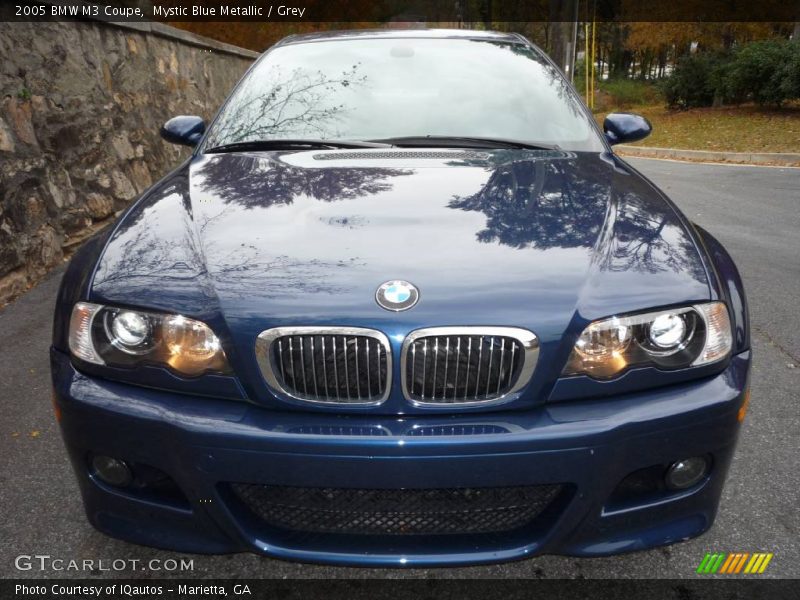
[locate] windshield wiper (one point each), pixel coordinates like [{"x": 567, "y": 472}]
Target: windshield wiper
[
  {"x": 298, "y": 144},
  {"x": 462, "y": 142}
]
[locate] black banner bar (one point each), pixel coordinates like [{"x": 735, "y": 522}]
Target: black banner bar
[
  {"x": 413, "y": 11},
  {"x": 712, "y": 588}
]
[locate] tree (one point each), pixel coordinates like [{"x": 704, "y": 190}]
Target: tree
[{"x": 765, "y": 71}]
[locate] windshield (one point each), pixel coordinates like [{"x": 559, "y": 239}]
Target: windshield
[{"x": 372, "y": 89}]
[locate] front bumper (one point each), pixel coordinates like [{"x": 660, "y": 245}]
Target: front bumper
[{"x": 589, "y": 446}]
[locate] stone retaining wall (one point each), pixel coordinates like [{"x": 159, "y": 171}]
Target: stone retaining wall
[{"x": 80, "y": 109}]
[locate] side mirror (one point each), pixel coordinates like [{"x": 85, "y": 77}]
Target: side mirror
[
  {"x": 183, "y": 130},
  {"x": 626, "y": 127}
]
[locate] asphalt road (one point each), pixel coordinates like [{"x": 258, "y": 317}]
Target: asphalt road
[{"x": 754, "y": 211}]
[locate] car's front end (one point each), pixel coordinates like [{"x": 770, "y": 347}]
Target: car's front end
[{"x": 399, "y": 356}]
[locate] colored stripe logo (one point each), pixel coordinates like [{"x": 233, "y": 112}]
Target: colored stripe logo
[{"x": 734, "y": 563}]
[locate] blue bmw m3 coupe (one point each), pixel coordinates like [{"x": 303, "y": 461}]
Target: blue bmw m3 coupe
[{"x": 402, "y": 306}]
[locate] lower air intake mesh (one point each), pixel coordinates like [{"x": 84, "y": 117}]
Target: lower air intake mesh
[{"x": 397, "y": 511}]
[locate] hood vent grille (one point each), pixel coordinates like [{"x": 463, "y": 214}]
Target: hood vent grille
[{"x": 403, "y": 155}]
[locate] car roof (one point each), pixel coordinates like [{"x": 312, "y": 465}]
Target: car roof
[{"x": 348, "y": 34}]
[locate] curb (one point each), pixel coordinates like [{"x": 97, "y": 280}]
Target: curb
[{"x": 782, "y": 159}]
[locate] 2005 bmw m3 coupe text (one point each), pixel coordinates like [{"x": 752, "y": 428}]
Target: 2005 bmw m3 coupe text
[{"x": 403, "y": 306}]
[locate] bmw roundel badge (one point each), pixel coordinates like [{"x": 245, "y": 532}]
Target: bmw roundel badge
[{"x": 397, "y": 295}]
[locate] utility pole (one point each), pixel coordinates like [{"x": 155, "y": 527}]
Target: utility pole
[
  {"x": 573, "y": 47},
  {"x": 564, "y": 20}
]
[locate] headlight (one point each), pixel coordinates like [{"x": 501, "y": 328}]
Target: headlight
[
  {"x": 668, "y": 339},
  {"x": 122, "y": 337}
]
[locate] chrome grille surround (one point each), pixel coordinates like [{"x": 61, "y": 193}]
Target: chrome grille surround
[
  {"x": 318, "y": 347},
  {"x": 463, "y": 348}
]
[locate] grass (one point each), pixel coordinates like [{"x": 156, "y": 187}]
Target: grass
[
  {"x": 621, "y": 93},
  {"x": 726, "y": 129},
  {"x": 746, "y": 128}
]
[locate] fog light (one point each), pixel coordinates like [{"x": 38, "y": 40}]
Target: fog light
[
  {"x": 685, "y": 473},
  {"x": 112, "y": 470}
]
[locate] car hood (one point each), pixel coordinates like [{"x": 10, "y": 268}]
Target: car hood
[{"x": 544, "y": 240}]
